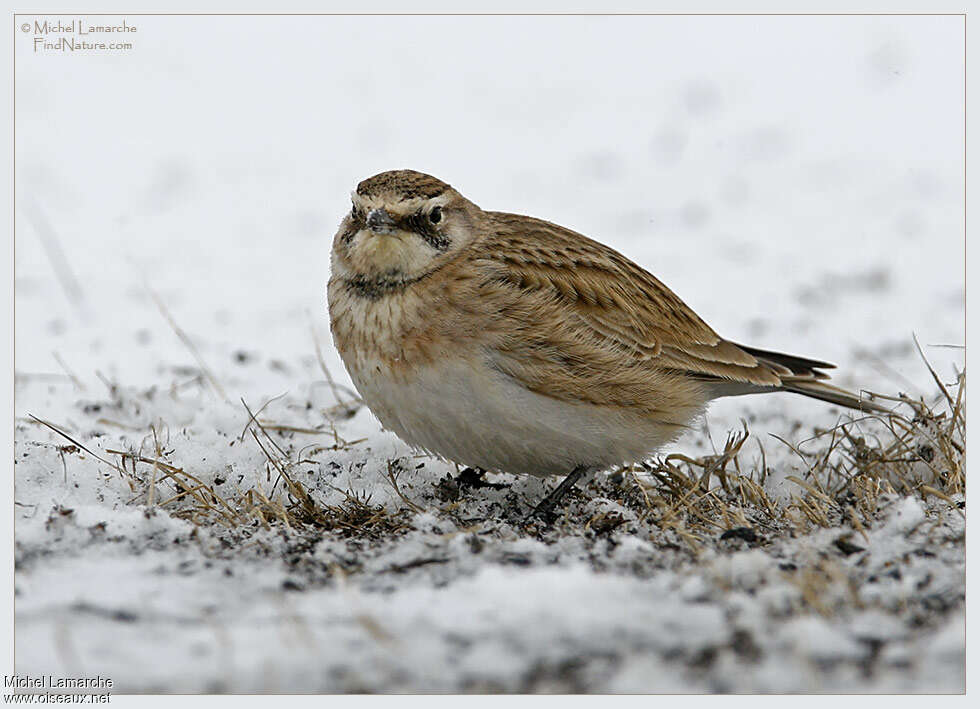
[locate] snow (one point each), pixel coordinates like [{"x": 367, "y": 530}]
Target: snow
[
  {"x": 797, "y": 180},
  {"x": 908, "y": 515}
]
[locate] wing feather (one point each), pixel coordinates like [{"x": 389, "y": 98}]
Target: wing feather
[{"x": 625, "y": 308}]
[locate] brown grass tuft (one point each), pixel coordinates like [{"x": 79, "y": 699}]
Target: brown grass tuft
[{"x": 918, "y": 448}]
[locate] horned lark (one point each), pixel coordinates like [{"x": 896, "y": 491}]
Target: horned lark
[{"x": 512, "y": 344}]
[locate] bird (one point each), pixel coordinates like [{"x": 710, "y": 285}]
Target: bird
[{"x": 511, "y": 344}]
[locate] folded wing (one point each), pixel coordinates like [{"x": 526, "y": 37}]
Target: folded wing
[{"x": 619, "y": 310}]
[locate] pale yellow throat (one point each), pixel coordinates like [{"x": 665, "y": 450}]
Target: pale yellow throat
[{"x": 384, "y": 253}]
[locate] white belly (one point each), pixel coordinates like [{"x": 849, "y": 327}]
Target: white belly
[{"x": 477, "y": 416}]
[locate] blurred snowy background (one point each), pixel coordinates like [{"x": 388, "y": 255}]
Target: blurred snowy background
[{"x": 797, "y": 180}]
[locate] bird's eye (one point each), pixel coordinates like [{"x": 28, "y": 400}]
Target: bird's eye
[{"x": 435, "y": 216}]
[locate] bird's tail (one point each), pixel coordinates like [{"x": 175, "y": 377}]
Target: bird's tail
[
  {"x": 800, "y": 376},
  {"x": 834, "y": 395}
]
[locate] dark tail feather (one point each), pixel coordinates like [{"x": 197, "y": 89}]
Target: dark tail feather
[
  {"x": 797, "y": 365},
  {"x": 833, "y": 395},
  {"x": 799, "y": 375}
]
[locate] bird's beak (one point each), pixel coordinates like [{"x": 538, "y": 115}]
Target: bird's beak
[{"x": 380, "y": 222}]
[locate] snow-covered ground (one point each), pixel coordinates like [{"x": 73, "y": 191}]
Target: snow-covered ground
[{"x": 798, "y": 181}]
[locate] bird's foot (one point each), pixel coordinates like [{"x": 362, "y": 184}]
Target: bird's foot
[
  {"x": 545, "y": 511},
  {"x": 474, "y": 478}
]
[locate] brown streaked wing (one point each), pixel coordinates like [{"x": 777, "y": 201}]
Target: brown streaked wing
[{"x": 624, "y": 306}]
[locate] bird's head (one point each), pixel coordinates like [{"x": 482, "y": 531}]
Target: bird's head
[{"x": 402, "y": 226}]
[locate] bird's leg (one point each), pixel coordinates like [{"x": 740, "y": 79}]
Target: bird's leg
[
  {"x": 546, "y": 506},
  {"x": 470, "y": 477},
  {"x": 476, "y": 477}
]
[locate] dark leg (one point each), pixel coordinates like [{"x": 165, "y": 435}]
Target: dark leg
[
  {"x": 450, "y": 488},
  {"x": 546, "y": 506},
  {"x": 474, "y": 477}
]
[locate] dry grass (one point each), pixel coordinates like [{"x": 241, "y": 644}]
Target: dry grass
[
  {"x": 285, "y": 501},
  {"x": 917, "y": 449}
]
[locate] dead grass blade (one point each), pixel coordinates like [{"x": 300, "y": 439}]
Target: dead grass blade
[{"x": 189, "y": 344}]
